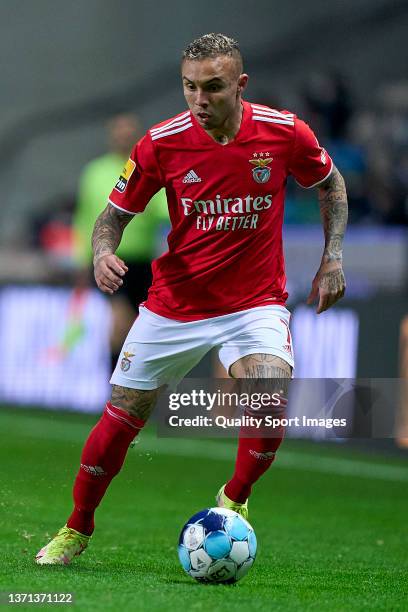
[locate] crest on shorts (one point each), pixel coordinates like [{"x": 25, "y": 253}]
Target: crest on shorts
[
  {"x": 125, "y": 363},
  {"x": 261, "y": 173}
]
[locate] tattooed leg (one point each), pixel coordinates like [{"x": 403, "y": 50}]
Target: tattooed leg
[
  {"x": 260, "y": 366},
  {"x": 262, "y": 372},
  {"x": 257, "y": 446},
  {"x": 135, "y": 402}
]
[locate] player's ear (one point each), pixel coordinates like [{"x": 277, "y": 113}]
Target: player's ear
[{"x": 242, "y": 83}]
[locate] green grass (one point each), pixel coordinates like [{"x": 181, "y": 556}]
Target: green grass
[{"x": 328, "y": 540}]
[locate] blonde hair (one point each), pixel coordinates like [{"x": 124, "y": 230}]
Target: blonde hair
[{"x": 213, "y": 45}]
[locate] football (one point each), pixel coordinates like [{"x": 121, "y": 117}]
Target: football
[{"x": 217, "y": 545}]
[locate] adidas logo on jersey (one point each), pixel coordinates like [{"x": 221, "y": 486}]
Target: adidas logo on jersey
[{"x": 191, "y": 177}]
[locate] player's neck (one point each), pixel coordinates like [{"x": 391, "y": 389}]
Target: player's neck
[{"x": 227, "y": 132}]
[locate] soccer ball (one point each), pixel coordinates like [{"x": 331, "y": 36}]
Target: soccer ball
[{"x": 217, "y": 545}]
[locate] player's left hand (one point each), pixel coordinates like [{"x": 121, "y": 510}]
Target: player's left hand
[{"x": 328, "y": 286}]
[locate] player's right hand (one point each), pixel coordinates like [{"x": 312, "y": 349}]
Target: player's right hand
[{"x": 109, "y": 271}]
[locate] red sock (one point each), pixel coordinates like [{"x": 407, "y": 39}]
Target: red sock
[
  {"x": 102, "y": 458},
  {"x": 254, "y": 457}
]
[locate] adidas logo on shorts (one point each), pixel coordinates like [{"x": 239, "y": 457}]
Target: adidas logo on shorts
[
  {"x": 191, "y": 177},
  {"x": 288, "y": 349}
]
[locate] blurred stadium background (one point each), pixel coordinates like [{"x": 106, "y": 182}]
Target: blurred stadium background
[{"x": 69, "y": 67}]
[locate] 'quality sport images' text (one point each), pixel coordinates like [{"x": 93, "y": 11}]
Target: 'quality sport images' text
[{"x": 247, "y": 421}]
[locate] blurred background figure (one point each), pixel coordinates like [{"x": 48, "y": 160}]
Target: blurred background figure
[
  {"x": 142, "y": 237},
  {"x": 354, "y": 96},
  {"x": 329, "y": 103},
  {"x": 330, "y": 106},
  {"x": 401, "y": 433}
]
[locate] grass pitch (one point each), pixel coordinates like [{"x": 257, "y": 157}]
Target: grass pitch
[{"x": 331, "y": 523}]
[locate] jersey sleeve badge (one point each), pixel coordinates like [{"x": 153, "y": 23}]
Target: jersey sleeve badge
[{"x": 125, "y": 175}]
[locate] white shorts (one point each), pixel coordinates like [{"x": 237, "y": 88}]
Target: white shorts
[{"x": 160, "y": 351}]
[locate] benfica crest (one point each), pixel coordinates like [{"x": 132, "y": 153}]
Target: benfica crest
[
  {"x": 125, "y": 363},
  {"x": 261, "y": 173}
]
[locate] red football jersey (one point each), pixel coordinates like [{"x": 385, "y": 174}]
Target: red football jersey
[{"x": 226, "y": 208}]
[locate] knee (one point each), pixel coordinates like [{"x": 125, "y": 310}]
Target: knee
[{"x": 136, "y": 402}]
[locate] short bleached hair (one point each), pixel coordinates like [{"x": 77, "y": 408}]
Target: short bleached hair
[{"x": 213, "y": 45}]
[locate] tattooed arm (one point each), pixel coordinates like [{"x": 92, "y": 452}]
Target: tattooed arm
[
  {"x": 329, "y": 283},
  {"x": 106, "y": 237}
]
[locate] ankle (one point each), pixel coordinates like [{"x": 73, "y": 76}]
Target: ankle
[
  {"x": 237, "y": 491},
  {"x": 82, "y": 521}
]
